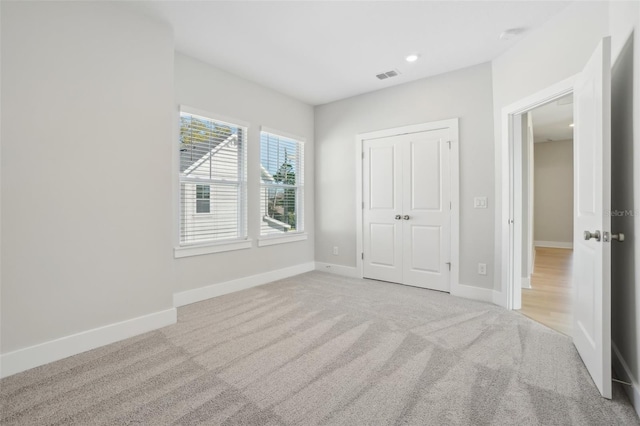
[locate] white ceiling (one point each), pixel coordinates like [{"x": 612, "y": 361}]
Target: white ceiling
[
  {"x": 322, "y": 51},
  {"x": 551, "y": 121}
]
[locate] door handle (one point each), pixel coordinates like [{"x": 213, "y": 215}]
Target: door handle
[
  {"x": 398, "y": 217},
  {"x": 588, "y": 235},
  {"x": 406, "y": 217},
  {"x": 619, "y": 237}
]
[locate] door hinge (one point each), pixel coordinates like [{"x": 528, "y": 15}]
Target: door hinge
[
  {"x": 449, "y": 265},
  {"x": 363, "y": 155},
  {"x": 363, "y": 204},
  {"x": 362, "y": 256},
  {"x": 449, "y": 143}
]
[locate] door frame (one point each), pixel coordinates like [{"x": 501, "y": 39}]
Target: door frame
[
  {"x": 508, "y": 258},
  {"x": 454, "y": 170}
]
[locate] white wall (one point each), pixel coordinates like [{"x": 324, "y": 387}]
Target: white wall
[
  {"x": 553, "y": 191},
  {"x": 202, "y": 86},
  {"x": 86, "y": 139},
  {"x": 465, "y": 94}
]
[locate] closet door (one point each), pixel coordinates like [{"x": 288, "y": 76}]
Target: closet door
[
  {"x": 406, "y": 211},
  {"x": 382, "y": 210},
  {"x": 426, "y": 210}
]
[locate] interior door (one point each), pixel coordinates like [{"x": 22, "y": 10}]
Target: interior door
[
  {"x": 426, "y": 210},
  {"x": 592, "y": 247},
  {"x": 406, "y": 211},
  {"x": 382, "y": 209}
]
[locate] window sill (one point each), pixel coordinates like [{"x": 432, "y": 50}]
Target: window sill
[
  {"x": 200, "y": 249},
  {"x": 281, "y": 239}
]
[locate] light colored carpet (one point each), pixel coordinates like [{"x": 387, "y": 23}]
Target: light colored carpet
[{"x": 323, "y": 349}]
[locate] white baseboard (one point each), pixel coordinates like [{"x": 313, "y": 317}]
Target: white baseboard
[
  {"x": 215, "y": 290},
  {"x": 526, "y": 282},
  {"x": 500, "y": 299},
  {"x": 472, "y": 292},
  {"x": 622, "y": 368},
  {"x": 553, "y": 244},
  {"x": 347, "y": 271},
  {"x": 54, "y": 350}
]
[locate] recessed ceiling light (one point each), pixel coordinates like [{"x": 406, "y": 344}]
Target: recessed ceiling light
[
  {"x": 412, "y": 58},
  {"x": 571, "y": 125}
]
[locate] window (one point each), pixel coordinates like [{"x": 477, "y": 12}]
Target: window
[
  {"x": 203, "y": 199},
  {"x": 212, "y": 180},
  {"x": 282, "y": 184}
]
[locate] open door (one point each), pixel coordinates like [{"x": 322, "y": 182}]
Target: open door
[{"x": 592, "y": 224}]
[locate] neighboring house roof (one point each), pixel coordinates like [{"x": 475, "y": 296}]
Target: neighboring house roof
[
  {"x": 265, "y": 176},
  {"x": 193, "y": 167},
  {"x": 276, "y": 224}
]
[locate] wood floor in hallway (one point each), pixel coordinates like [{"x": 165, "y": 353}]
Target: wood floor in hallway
[{"x": 548, "y": 301}]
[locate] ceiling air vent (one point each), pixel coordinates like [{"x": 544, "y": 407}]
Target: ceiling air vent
[{"x": 388, "y": 74}]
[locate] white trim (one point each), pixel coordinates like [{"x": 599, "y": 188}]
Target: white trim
[
  {"x": 54, "y": 350},
  {"x": 287, "y": 135},
  {"x": 281, "y": 239},
  {"x": 412, "y": 128},
  {"x": 451, "y": 124},
  {"x": 347, "y": 271},
  {"x": 526, "y": 282},
  {"x": 508, "y": 242},
  {"x": 197, "y": 250},
  {"x": 203, "y": 293},
  {"x": 473, "y": 292},
  {"x": 213, "y": 116},
  {"x": 554, "y": 244},
  {"x": 622, "y": 368}
]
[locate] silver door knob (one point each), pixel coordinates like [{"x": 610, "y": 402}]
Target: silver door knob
[
  {"x": 398, "y": 217},
  {"x": 588, "y": 235},
  {"x": 619, "y": 236},
  {"x": 406, "y": 217}
]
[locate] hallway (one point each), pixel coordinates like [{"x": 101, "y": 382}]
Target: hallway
[{"x": 548, "y": 301}]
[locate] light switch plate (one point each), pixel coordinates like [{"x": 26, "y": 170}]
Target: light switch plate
[{"x": 480, "y": 203}]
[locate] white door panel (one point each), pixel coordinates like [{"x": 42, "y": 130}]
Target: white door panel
[
  {"x": 425, "y": 178},
  {"x": 592, "y": 257},
  {"x": 382, "y": 253},
  {"x": 381, "y": 195},
  {"x": 425, "y": 248},
  {"x": 406, "y": 212}
]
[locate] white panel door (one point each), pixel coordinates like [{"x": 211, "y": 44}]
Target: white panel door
[
  {"x": 592, "y": 247},
  {"x": 382, "y": 196},
  {"x": 406, "y": 211},
  {"x": 426, "y": 209}
]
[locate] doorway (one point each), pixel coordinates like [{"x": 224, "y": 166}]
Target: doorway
[
  {"x": 591, "y": 90},
  {"x": 547, "y": 213},
  {"x": 407, "y": 197}
]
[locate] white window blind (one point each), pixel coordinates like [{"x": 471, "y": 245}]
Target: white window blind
[
  {"x": 282, "y": 184},
  {"x": 212, "y": 180}
]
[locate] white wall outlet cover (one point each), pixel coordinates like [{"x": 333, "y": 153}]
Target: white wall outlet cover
[
  {"x": 480, "y": 202},
  {"x": 482, "y": 268}
]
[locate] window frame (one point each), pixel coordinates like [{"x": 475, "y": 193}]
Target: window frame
[
  {"x": 300, "y": 233},
  {"x": 186, "y": 249}
]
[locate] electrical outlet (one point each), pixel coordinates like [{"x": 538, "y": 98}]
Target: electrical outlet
[
  {"x": 335, "y": 251},
  {"x": 480, "y": 203},
  {"x": 482, "y": 268}
]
